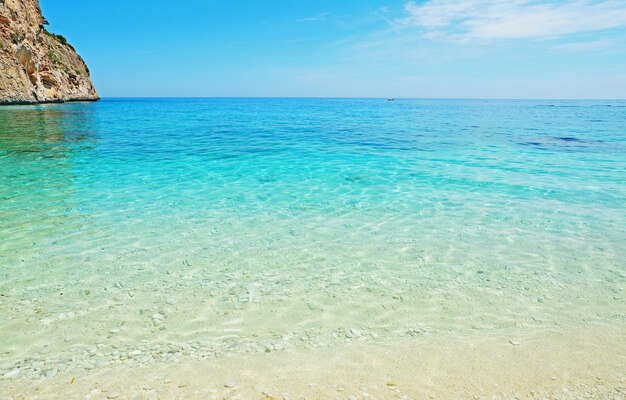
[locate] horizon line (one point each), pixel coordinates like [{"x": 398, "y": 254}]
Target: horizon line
[{"x": 366, "y": 98}]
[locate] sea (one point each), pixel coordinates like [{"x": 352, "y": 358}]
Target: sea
[{"x": 163, "y": 232}]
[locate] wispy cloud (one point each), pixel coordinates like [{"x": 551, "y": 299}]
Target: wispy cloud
[
  {"x": 465, "y": 20},
  {"x": 314, "y": 18},
  {"x": 590, "y": 45}
]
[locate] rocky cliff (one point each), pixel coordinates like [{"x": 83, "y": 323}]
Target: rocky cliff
[{"x": 35, "y": 65}]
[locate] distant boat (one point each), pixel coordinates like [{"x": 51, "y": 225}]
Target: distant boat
[{"x": 391, "y": 99}]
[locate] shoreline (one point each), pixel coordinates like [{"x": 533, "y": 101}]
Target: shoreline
[
  {"x": 542, "y": 363},
  {"x": 34, "y": 103}
]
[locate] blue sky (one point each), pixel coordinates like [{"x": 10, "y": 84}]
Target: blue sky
[{"x": 349, "y": 48}]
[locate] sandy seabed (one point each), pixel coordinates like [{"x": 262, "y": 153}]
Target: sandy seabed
[{"x": 542, "y": 364}]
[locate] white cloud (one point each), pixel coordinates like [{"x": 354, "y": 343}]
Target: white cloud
[{"x": 512, "y": 19}]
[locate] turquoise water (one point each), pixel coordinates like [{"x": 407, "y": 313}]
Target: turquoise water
[{"x": 140, "y": 231}]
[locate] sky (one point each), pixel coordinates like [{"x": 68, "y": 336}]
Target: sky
[{"x": 349, "y": 48}]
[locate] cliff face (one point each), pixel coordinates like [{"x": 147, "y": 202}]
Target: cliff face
[{"x": 35, "y": 65}]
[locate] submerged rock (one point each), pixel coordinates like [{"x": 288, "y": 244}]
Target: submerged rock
[
  {"x": 37, "y": 66},
  {"x": 13, "y": 373}
]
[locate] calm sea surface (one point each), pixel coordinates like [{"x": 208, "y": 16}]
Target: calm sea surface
[{"x": 141, "y": 231}]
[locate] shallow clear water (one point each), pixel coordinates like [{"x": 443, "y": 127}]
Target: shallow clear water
[{"x": 139, "y": 231}]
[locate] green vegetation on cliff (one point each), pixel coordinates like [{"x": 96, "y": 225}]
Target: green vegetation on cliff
[{"x": 61, "y": 39}]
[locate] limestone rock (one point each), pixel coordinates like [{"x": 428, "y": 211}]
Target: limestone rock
[{"x": 37, "y": 66}]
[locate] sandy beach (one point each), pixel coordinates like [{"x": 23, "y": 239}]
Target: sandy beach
[{"x": 541, "y": 364}]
